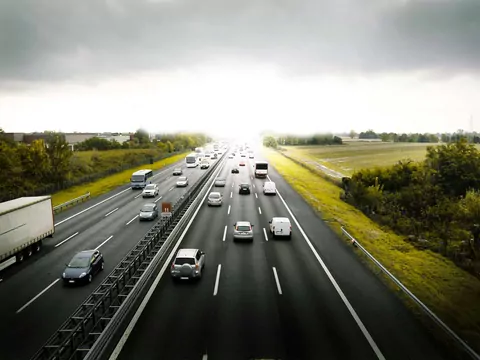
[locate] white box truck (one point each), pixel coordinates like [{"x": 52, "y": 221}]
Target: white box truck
[{"x": 24, "y": 223}]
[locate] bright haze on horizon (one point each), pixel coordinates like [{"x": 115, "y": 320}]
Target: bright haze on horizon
[{"x": 225, "y": 66}]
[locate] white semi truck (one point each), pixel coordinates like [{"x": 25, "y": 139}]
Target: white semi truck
[{"x": 24, "y": 223}]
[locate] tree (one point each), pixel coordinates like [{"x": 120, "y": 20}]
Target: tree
[
  {"x": 352, "y": 134},
  {"x": 142, "y": 136},
  {"x": 35, "y": 161},
  {"x": 59, "y": 155},
  {"x": 269, "y": 141}
]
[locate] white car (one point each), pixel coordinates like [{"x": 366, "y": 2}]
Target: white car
[
  {"x": 269, "y": 188},
  {"x": 204, "y": 165},
  {"x": 280, "y": 226},
  {"x": 182, "y": 181},
  {"x": 215, "y": 199},
  {"x": 151, "y": 190}
]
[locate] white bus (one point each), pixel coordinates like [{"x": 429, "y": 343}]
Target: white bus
[
  {"x": 261, "y": 169},
  {"x": 140, "y": 178},
  {"x": 191, "y": 160}
]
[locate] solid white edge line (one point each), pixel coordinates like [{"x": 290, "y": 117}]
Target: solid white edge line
[
  {"x": 91, "y": 207},
  {"x": 99, "y": 246},
  {"x": 260, "y": 210},
  {"x": 277, "y": 281},
  {"x": 160, "y": 198},
  {"x": 350, "y": 308},
  {"x": 121, "y": 343},
  {"x": 228, "y": 212},
  {"x": 36, "y": 297},
  {"x": 225, "y": 233},
  {"x": 265, "y": 233},
  {"x": 217, "y": 280},
  {"x": 111, "y": 212},
  {"x": 128, "y": 223},
  {"x": 71, "y": 236}
]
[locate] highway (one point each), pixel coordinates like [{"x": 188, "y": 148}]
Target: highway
[
  {"x": 307, "y": 298},
  {"x": 34, "y": 301}
]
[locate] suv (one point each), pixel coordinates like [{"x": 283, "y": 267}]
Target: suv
[
  {"x": 188, "y": 264},
  {"x": 244, "y": 189},
  {"x": 177, "y": 171},
  {"x": 242, "y": 230}
]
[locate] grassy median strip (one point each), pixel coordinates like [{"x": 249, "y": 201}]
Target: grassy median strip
[
  {"x": 448, "y": 291},
  {"x": 109, "y": 183}
]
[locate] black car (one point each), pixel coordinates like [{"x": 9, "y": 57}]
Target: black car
[
  {"x": 177, "y": 172},
  {"x": 83, "y": 266},
  {"x": 244, "y": 189},
  {"x": 235, "y": 171}
]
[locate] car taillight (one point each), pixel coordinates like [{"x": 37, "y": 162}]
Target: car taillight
[
  {"x": 173, "y": 265},
  {"x": 196, "y": 266}
]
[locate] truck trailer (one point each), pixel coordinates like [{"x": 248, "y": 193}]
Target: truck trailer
[{"x": 24, "y": 223}]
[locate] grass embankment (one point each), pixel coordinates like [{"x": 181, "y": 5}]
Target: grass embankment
[
  {"x": 447, "y": 290},
  {"x": 355, "y": 156},
  {"x": 108, "y": 183}
]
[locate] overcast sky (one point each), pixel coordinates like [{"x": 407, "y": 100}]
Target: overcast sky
[{"x": 239, "y": 65}]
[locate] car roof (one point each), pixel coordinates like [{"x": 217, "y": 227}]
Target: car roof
[
  {"x": 245, "y": 184},
  {"x": 281, "y": 219},
  {"x": 243, "y": 223},
  {"x": 215, "y": 192},
  {"x": 187, "y": 252},
  {"x": 85, "y": 253}
]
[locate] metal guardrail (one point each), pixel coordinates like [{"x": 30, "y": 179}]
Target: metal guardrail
[
  {"x": 459, "y": 341},
  {"x": 79, "y": 333},
  {"x": 59, "y": 208}
]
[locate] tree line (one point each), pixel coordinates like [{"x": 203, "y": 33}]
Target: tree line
[
  {"x": 49, "y": 165},
  {"x": 435, "y": 203},
  {"x": 287, "y": 140},
  {"x": 471, "y": 137}
]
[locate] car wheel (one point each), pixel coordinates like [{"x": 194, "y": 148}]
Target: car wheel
[
  {"x": 90, "y": 278},
  {"x": 103, "y": 266}
]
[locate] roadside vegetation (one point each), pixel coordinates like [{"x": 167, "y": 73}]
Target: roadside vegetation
[
  {"x": 418, "y": 218},
  {"x": 51, "y": 167}
]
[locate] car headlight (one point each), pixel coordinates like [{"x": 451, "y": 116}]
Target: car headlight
[
  {"x": 82, "y": 274},
  {"x": 63, "y": 275}
]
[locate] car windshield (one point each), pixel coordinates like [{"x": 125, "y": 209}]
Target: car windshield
[
  {"x": 150, "y": 187},
  {"x": 80, "y": 261},
  {"x": 214, "y": 196},
  {"x": 182, "y": 261},
  {"x": 177, "y": 170},
  {"x": 182, "y": 178},
  {"x": 220, "y": 180},
  {"x": 243, "y": 228},
  {"x": 245, "y": 186},
  {"x": 147, "y": 208}
]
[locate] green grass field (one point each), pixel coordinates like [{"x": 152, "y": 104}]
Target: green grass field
[
  {"x": 111, "y": 182},
  {"x": 447, "y": 290},
  {"x": 354, "y": 156}
]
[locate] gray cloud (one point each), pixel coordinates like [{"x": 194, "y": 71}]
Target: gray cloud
[{"x": 54, "y": 40}]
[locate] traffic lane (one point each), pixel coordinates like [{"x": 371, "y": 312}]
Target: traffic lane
[
  {"x": 89, "y": 238},
  {"x": 179, "y": 312},
  {"x": 85, "y": 216},
  {"x": 246, "y": 322},
  {"x": 397, "y": 332},
  {"x": 312, "y": 313},
  {"x": 77, "y": 226},
  {"x": 67, "y": 299},
  {"x": 120, "y": 191}
]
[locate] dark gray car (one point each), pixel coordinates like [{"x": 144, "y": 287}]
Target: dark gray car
[
  {"x": 83, "y": 267},
  {"x": 148, "y": 212}
]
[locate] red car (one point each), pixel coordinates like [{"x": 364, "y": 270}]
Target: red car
[{"x": 242, "y": 163}]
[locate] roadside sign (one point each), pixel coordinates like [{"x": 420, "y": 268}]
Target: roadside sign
[{"x": 166, "y": 209}]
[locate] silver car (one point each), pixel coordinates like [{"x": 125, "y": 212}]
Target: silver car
[
  {"x": 182, "y": 181},
  {"x": 188, "y": 264},
  {"x": 242, "y": 230},
  {"x": 220, "y": 182},
  {"x": 215, "y": 199},
  {"x": 148, "y": 212},
  {"x": 151, "y": 190}
]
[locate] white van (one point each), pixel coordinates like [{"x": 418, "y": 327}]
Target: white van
[
  {"x": 269, "y": 188},
  {"x": 280, "y": 226}
]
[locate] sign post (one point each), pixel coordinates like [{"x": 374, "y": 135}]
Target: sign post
[{"x": 166, "y": 209}]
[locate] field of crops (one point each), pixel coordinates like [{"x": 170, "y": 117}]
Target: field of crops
[{"x": 353, "y": 156}]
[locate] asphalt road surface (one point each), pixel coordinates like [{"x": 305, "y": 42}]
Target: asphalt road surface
[
  {"x": 273, "y": 299},
  {"x": 34, "y": 301}
]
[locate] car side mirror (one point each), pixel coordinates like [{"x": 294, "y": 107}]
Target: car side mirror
[
  {"x": 269, "y": 221},
  {"x": 252, "y": 225}
]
